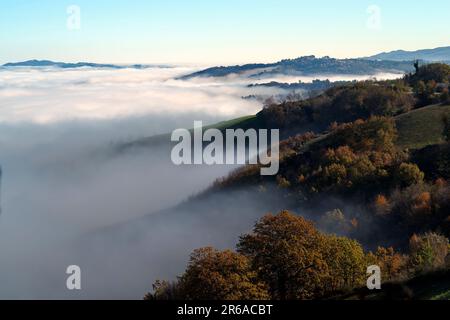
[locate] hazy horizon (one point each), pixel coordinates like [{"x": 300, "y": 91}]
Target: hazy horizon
[
  {"x": 201, "y": 32},
  {"x": 212, "y": 64}
]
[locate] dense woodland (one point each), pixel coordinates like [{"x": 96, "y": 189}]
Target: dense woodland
[{"x": 344, "y": 144}]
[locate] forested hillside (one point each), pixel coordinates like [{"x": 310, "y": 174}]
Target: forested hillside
[
  {"x": 368, "y": 162},
  {"x": 307, "y": 65}
]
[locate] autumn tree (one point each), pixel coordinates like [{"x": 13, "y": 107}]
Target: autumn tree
[
  {"x": 420, "y": 88},
  {"x": 286, "y": 252},
  {"x": 299, "y": 262},
  {"x": 345, "y": 259},
  {"x": 428, "y": 251},
  {"x": 164, "y": 290},
  {"x": 409, "y": 174},
  {"x": 214, "y": 275},
  {"x": 391, "y": 263},
  {"x": 381, "y": 205},
  {"x": 335, "y": 222}
]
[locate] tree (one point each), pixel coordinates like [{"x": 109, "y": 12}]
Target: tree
[
  {"x": 298, "y": 262},
  {"x": 335, "y": 222},
  {"x": 286, "y": 252},
  {"x": 439, "y": 72},
  {"x": 345, "y": 259},
  {"x": 431, "y": 87},
  {"x": 428, "y": 251},
  {"x": 409, "y": 174},
  {"x": 220, "y": 275},
  {"x": 420, "y": 88},
  {"x": 417, "y": 66},
  {"x": 391, "y": 263},
  {"x": 213, "y": 275},
  {"x": 282, "y": 182},
  {"x": 164, "y": 290},
  {"x": 381, "y": 205}
]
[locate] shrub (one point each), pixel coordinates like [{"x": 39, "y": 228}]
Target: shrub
[
  {"x": 428, "y": 251},
  {"x": 409, "y": 174},
  {"x": 391, "y": 263}
]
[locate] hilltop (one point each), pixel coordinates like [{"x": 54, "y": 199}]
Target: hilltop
[
  {"x": 307, "y": 65},
  {"x": 441, "y": 54},
  {"x": 65, "y": 65}
]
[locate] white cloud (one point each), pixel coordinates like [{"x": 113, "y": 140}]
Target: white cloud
[{"x": 57, "y": 95}]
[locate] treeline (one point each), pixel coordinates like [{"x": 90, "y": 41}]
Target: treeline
[
  {"x": 340, "y": 104},
  {"x": 286, "y": 257},
  {"x": 397, "y": 192},
  {"x": 360, "y": 163},
  {"x": 430, "y": 84},
  {"x": 359, "y": 157},
  {"x": 362, "y": 100}
]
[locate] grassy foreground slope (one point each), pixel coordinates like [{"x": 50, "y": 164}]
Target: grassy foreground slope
[
  {"x": 245, "y": 122},
  {"x": 416, "y": 129},
  {"x": 421, "y": 127}
]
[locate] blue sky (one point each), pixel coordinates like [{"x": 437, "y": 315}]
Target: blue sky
[{"x": 216, "y": 31}]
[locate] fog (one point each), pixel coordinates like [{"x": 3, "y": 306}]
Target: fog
[{"x": 68, "y": 197}]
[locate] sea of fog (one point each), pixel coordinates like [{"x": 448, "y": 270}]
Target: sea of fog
[{"x": 62, "y": 182}]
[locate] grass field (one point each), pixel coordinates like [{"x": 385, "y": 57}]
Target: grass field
[
  {"x": 417, "y": 129},
  {"x": 245, "y": 123},
  {"x": 421, "y": 127},
  {"x": 242, "y": 122}
]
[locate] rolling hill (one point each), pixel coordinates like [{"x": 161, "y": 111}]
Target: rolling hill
[
  {"x": 308, "y": 65},
  {"x": 441, "y": 54},
  {"x": 421, "y": 127},
  {"x": 65, "y": 65}
]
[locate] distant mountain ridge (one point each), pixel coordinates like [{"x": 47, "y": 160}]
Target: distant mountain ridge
[
  {"x": 64, "y": 65},
  {"x": 308, "y": 66},
  {"x": 441, "y": 54}
]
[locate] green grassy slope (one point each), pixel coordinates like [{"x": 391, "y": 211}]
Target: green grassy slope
[
  {"x": 245, "y": 123},
  {"x": 417, "y": 129},
  {"x": 421, "y": 127}
]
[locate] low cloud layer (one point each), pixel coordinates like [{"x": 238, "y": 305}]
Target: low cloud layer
[
  {"x": 46, "y": 96},
  {"x": 63, "y": 180}
]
